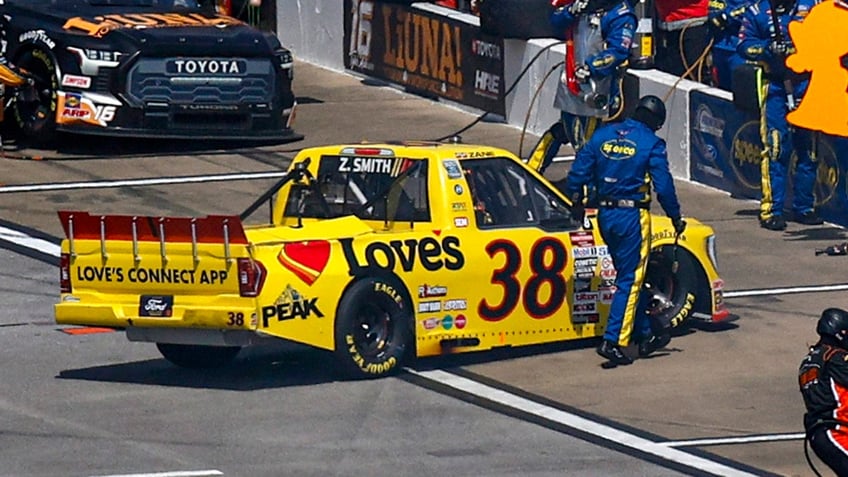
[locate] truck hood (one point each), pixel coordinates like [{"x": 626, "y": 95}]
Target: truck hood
[{"x": 165, "y": 32}]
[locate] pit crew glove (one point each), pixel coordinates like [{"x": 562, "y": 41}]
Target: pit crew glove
[
  {"x": 679, "y": 225},
  {"x": 781, "y": 48},
  {"x": 578, "y": 6},
  {"x": 578, "y": 212},
  {"x": 719, "y": 21},
  {"x": 582, "y": 73}
]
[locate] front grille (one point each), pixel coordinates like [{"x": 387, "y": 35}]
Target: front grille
[{"x": 154, "y": 80}]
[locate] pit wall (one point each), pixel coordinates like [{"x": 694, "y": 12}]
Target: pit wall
[{"x": 709, "y": 140}]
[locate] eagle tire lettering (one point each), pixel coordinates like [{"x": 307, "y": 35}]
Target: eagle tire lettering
[{"x": 373, "y": 330}]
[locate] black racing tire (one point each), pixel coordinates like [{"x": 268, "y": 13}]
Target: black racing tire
[
  {"x": 34, "y": 108},
  {"x": 373, "y": 331},
  {"x": 680, "y": 286},
  {"x": 197, "y": 356}
]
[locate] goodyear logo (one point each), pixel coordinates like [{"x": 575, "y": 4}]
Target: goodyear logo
[{"x": 618, "y": 149}]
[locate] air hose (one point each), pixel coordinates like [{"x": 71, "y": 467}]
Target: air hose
[{"x": 507, "y": 92}]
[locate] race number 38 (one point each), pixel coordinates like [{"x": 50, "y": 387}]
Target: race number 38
[{"x": 548, "y": 258}]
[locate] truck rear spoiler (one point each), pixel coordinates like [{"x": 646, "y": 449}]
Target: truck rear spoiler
[{"x": 212, "y": 229}]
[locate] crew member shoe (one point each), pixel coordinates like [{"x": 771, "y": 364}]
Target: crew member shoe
[
  {"x": 776, "y": 222},
  {"x": 613, "y": 353},
  {"x": 809, "y": 218},
  {"x": 653, "y": 343}
]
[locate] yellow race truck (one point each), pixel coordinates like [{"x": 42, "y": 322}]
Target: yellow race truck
[{"x": 378, "y": 253}]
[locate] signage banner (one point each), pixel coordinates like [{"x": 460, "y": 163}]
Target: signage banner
[
  {"x": 427, "y": 53},
  {"x": 725, "y": 152}
]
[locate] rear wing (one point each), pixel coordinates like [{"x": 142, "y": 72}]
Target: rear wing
[{"x": 212, "y": 229}]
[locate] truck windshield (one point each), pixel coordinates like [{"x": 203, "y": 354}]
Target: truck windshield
[{"x": 371, "y": 188}]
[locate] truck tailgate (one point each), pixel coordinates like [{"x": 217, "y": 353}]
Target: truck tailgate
[{"x": 142, "y": 271}]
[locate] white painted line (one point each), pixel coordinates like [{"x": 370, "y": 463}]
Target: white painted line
[
  {"x": 786, "y": 291},
  {"x": 184, "y": 473},
  {"x": 139, "y": 182},
  {"x": 581, "y": 424},
  {"x": 32, "y": 243},
  {"x": 718, "y": 441}
]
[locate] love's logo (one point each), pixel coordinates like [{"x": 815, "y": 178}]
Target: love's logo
[{"x": 305, "y": 259}]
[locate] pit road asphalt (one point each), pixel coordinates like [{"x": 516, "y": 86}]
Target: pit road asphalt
[{"x": 79, "y": 405}]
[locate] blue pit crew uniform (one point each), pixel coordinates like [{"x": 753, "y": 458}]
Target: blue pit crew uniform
[
  {"x": 755, "y": 40},
  {"x": 603, "y": 36},
  {"x": 621, "y": 160},
  {"x": 725, "y": 19}
]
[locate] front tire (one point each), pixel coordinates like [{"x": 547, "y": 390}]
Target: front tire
[
  {"x": 676, "y": 287},
  {"x": 197, "y": 356},
  {"x": 372, "y": 329},
  {"x": 35, "y": 105}
]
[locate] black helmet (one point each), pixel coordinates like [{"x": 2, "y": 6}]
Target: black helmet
[
  {"x": 834, "y": 323},
  {"x": 650, "y": 111}
]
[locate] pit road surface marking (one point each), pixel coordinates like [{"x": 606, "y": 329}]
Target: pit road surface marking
[
  {"x": 581, "y": 424},
  {"x": 183, "y": 473}
]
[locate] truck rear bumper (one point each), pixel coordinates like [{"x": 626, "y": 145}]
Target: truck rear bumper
[
  {"x": 126, "y": 315},
  {"x": 197, "y": 336}
]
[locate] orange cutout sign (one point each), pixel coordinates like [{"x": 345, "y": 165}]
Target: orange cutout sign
[{"x": 821, "y": 40}]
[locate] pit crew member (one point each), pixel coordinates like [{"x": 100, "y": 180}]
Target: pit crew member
[{"x": 620, "y": 161}]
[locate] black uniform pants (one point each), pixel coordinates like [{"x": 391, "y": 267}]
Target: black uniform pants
[{"x": 831, "y": 454}]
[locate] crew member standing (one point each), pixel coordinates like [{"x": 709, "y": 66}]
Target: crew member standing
[
  {"x": 599, "y": 34},
  {"x": 759, "y": 41},
  {"x": 725, "y": 19},
  {"x": 620, "y": 161},
  {"x": 823, "y": 379}
]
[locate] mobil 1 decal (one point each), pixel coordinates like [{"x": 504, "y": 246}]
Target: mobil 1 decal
[
  {"x": 426, "y": 254},
  {"x": 542, "y": 294}
]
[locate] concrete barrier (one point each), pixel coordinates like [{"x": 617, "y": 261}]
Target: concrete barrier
[{"x": 312, "y": 29}]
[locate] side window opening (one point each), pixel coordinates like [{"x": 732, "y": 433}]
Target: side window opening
[{"x": 505, "y": 195}]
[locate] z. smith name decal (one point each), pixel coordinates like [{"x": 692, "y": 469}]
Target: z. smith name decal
[{"x": 374, "y": 165}]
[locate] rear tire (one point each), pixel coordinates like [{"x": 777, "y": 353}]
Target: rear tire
[
  {"x": 197, "y": 356},
  {"x": 372, "y": 329}
]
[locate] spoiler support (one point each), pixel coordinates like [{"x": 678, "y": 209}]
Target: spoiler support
[
  {"x": 227, "y": 254},
  {"x": 103, "y": 253},
  {"x": 194, "y": 256},
  {"x": 162, "y": 240},
  {"x": 70, "y": 223},
  {"x": 136, "y": 256}
]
